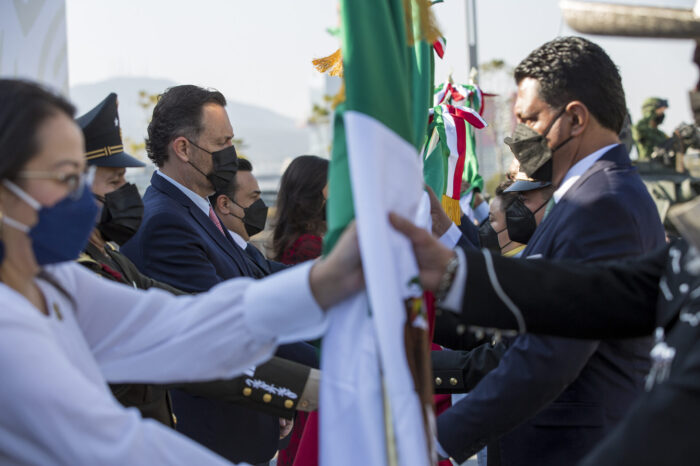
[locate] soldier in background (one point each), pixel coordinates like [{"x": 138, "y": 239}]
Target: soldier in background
[{"x": 646, "y": 132}]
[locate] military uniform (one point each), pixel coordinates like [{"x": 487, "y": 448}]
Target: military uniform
[
  {"x": 646, "y": 136},
  {"x": 658, "y": 293},
  {"x": 152, "y": 400}
]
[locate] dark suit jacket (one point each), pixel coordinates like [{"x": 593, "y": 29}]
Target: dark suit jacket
[
  {"x": 263, "y": 264},
  {"x": 622, "y": 299},
  {"x": 179, "y": 244},
  {"x": 470, "y": 234},
  {"x": 551, "y": 399}
]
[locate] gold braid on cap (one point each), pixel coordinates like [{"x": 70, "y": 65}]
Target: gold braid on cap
[{"x": 104, "y": 152}]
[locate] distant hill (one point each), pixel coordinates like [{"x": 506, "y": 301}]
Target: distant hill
[{"x": 270, "y": 138}]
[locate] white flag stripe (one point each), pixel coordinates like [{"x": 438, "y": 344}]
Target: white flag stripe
[
  {"x": 451, "y": 134},
  {"x": 385, "y": 176}
]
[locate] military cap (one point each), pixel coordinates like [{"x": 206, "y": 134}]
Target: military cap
[
  {"x": 524, "y": 183},
  {"x": 103, "y": 136},
  {"x": 652, "y": 103}
]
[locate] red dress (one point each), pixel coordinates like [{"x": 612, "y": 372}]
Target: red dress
[
  {"x": 306, "y": 247},
  {"x": 303, "y": 444}
]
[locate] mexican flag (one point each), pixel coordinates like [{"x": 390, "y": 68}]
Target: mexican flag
[
  {"x": 449, "y": 156},
  {"x": 375, "y": 390}
]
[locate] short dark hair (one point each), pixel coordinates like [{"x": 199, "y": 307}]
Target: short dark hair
[
  {"x": 507, "y": 198},
  {"x": 244, "y": 165},
  {"x": 178, "y": 113},
  {"x": 574, "y": 68},
  {"x": 24, "y": 106}
]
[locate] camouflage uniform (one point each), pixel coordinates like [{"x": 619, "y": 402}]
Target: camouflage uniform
[{"x": 645, "y": 136}]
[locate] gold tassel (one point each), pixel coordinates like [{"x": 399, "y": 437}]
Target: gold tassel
[
  {"x": 333, "y": 64},
  {"x": 452, "y": 209},
  {"x": 430, "y": 31},
  {"x": 420, "y": 10},
  {"x": 339, "y": 98}
]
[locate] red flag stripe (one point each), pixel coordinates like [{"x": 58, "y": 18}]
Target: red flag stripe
[
  {"x": 468, "y": 114},
  {"x": 462, "y": 151},
  {"x": 439, "y": 48}
]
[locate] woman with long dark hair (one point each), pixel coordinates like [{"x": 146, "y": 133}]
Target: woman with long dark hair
[
  {"x": 301, "y": 210},
  {"x": 65, "y": 332}
]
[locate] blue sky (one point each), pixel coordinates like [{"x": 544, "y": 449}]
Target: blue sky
[{"x": 259, "y": 52}]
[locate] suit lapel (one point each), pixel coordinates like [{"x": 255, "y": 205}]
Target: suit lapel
[
  {"x": 225, "y": 242},
  {"x": 615, "y": 157},
  {"x": 258, "y": 259}
]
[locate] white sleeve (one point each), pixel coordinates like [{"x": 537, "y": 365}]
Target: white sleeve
[
  {"x": 52, "y": 414},
  {"x": 451, "y": 237},
  {"x": 152, "y": 336}
]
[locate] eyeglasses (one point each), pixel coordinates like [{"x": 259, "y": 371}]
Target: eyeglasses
[{"x": 75, "y": 182}]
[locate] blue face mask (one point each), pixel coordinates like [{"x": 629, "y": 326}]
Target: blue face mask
[{"x": 62, "y": 230}]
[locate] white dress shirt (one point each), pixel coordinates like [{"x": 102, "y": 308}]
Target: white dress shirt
[
  {"x": 238, "y": 239},
  {"x": 577, "y": 170},
  {"x": 199, "y": 201},
  {"x": 55, "y": 403}
]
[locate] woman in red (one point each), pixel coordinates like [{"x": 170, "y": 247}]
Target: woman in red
[
  {"x": 299, "y": 227},
  {"x": 301, "y": 210}
]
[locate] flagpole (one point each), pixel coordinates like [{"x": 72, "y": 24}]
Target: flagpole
[{"x": 473, "y": 63}]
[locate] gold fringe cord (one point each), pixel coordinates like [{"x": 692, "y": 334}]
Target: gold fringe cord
[
  {"x": 452, "y": 209},
  {"x": 332, "y": 64}
]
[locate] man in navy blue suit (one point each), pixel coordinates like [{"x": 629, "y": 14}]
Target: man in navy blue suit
[
  {"x": 243, "y": 213},
  {"x": 551, "y": 400},
  {"x": 181, "y": 242}
]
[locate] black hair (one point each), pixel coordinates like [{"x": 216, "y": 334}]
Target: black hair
[
  {"x": 506, "y": 198},
  {"x": 574, "y": 68},
  {"x": 24, "y": 106},
  {"x": 178, "y": 113},
  {"x": 244, "y": 165},
  {"x": 300, "y": 202}
]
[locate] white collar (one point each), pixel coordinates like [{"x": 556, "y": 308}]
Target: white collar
[
  {"x": 199, "y": 201},
  {"x": 577, "y": 170},
  {"x": 238, "y": 239}
]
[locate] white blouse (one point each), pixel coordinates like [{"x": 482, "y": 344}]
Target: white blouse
[{"x": 55, "y": 405}]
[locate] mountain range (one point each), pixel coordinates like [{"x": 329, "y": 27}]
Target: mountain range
[{"x": 270, "y": 140}]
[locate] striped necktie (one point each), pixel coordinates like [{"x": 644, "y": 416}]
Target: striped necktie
[{"x": 216, "y": 220}]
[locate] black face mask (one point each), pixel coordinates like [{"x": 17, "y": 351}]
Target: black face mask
[
  {"x": 122, "y": 213},
  {"x": 659, "y": 118},
  {"x": 532, "y": 150},
  {"x": 225, "y": 166},
  {"x": 488, "y": 237},
  {"x": 254, "y": 217},
  {"x": 520, "y": 221}
]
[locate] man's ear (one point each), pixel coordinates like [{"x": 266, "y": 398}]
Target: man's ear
[
  {"x": 222, "y": 204},
  {"x": 181, "y": 148},
  {"x": 580, "y": 117}
]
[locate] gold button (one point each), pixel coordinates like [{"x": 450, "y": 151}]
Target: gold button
[
  {"x": 174, "y": 419},
  {"x": 267, "y": 397},
  {"x": 288, "y": 404},
  {"x": 438, "y": 381},
  {"x": 247, "y": 391},
  {"x": 304, "y": 404},
  {"x": 453, "y": 381}
]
